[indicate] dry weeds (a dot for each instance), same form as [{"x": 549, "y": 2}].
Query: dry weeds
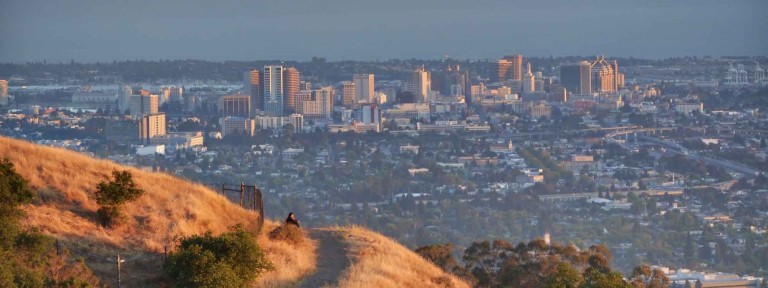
[
  {"x": 172, "y": 207},
  {"x": 378, "y": 261}
]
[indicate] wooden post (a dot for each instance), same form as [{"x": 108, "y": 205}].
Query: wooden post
[
  {"x": 242, "y": 193},
  {"x": 58, "y": 252}
]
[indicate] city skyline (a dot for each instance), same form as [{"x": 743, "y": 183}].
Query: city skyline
[{"x": 234, "y": 30}]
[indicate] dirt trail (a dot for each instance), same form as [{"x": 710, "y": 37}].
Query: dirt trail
[{"x": 332, "y": 259}]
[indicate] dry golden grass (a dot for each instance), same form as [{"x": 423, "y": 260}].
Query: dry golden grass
[
  {"x": 66, "y": 180},
  {"x": 378, "y": 261},
  {"x": 292, "y": 261}
]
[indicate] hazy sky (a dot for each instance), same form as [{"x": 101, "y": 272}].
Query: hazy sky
[{"x": 105, "y": 30}]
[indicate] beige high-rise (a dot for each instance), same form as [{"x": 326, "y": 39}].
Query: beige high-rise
[
  {"x": 364, "y": 86},
  {"x": 420, "y": 84}
]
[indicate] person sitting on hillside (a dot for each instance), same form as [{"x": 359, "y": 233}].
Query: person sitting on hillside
[{"x": 292, "y": 220}]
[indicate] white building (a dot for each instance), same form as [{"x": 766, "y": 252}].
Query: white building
[
  {"x": 150, "y": 150},
  {"x": 688, "y": 108},
  {"x": 529, "y": 81},
  {"x": 237, "y": 125}
]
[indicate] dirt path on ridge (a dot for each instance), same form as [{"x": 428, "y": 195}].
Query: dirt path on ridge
[{"x": 332, "y": 259}]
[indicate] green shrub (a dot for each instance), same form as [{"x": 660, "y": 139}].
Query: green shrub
[
  {"x": 232, "y": 259},
  {"x": 111, "y": 195},
  {"x": 287, "y": 233}
]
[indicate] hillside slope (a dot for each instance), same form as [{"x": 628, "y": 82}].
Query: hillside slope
[
  {"x": 378, "y": 261},
  {"x": 65, "y": 181},
  {"x": 172, "y": 207}
]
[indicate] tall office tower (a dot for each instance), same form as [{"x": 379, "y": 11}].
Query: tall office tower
[
  {"x": 305, "y": 85},
  {"x": 420, "y": 84},
  {"x": 576, "y": 77},
  {"x": 529, "y": 81},
  {"x": 616, "y": 76},
  {"x": 348, "y": 97},
  {"x": 272, "y": 87},
  {"x": 124, "y": 98},
  {"x": 141, "y": 105},
  {"x": 502, "y": 70},
  {"x": 509, "y": 68},
  {"x": 603, "y": 77},
  {"x": 455, "y": 81},
  {"x": 364, "y": 84},
  {"x": 291, "y": 86},
  {"x": 252, "y": 86},
  {"x": 151, "y": 126},
  {"x": 237, "y": 105},
  {"x": 4, "y": 93},
  {"x": 247, "y": 82},
  {"x": 320, "y": 105}
]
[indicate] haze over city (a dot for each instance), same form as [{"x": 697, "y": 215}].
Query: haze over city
[{"x": 91, "y": 30}]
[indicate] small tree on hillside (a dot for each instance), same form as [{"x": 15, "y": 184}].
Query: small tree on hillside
[{"x": 111, "y": 195}]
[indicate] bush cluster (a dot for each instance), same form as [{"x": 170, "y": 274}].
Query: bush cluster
[
  {"x": 287, "y": 233},
  {"x": 232, "y": 259}
]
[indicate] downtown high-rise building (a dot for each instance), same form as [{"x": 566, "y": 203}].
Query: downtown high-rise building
[
  {"x": 455, "y": 81},
  {"x": 143, "y": 104},
  {"x": 420, "y": 84},
  {"x": 252, "y": 87},
  {"x": 4, "y": 93},
  {"x": 273, "y": 90},
  {"x": 364, "y": 87},
  {"x": 150, "y": 126},
  {"x": 320, "y": 104},
  {"x": 291, "y": 86},
  {"x": 236, "y": 105},
  {"x": 529, "y": 81},
  {"x": 576, "y": 77},
  {"x": 604, "y": 76},
  {"x": 348, "y": 94},
  {"x": 509, "y": 68}
]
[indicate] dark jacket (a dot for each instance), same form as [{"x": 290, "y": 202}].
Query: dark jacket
[{"x": 292, "y": 221}]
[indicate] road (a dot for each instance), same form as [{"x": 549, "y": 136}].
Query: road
[{"x": 728, "y": 165}]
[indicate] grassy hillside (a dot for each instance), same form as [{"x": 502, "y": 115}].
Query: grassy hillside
[
  {"x": 378, "y": 261},
  {"x": 172, "y": 207},
  {"x": 65, "y": 182}
]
